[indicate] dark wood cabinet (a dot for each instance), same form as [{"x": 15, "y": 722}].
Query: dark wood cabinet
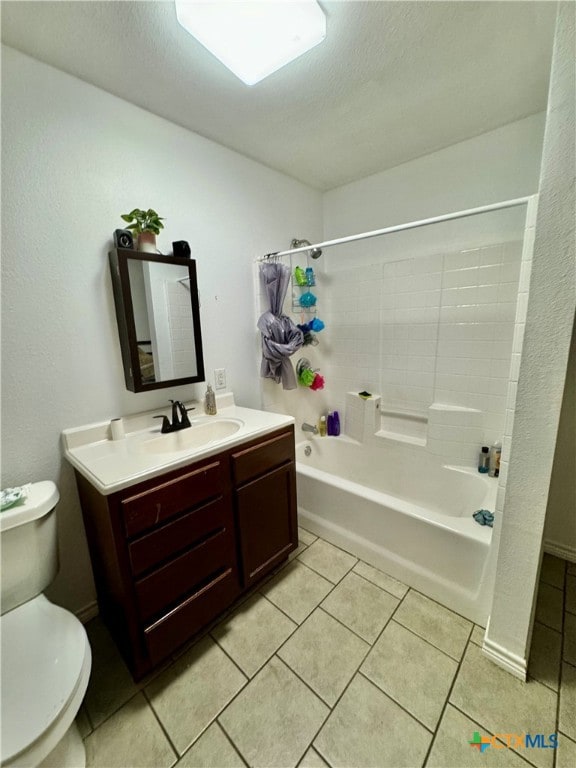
[
  {"x": 266, "y": 521},
  {"x": 265, "y": 503},
  {"x": 171, "y": 553}
]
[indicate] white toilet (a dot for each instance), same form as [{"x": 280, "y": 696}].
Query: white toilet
[{"x": 46, "y": 656}]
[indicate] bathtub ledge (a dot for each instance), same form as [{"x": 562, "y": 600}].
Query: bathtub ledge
[{"x": 397, "y": 437}]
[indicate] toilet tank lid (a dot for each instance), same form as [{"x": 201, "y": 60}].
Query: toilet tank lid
[{"x": 42, "y": 498}]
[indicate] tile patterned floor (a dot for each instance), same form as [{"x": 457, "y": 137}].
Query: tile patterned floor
[{"x": 333, "y": 663}]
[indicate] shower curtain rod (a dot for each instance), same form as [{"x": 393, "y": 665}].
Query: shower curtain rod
[{"x": 401, "y": 227}]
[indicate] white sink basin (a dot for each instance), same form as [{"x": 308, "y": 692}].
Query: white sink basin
[{"x": 199, "y": 435}]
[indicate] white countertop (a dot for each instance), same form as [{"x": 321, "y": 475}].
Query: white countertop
[{"x": 111, "y": 465}]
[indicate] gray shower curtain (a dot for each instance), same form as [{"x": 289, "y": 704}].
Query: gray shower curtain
[{"x": 280, "y": 337}]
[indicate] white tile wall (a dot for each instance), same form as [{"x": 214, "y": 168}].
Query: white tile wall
[
  {"x": 432, "y": 329},
  {"x": 181, "y": 329},
  {"x": 476, "y": 330},
  {"x": 454, "y": 433},
  {"x": 517, "y": 341},
  {"x": 438, "y": 329}
]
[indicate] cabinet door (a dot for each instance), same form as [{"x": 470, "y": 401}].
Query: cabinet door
[{"x": 266, "y": 510}]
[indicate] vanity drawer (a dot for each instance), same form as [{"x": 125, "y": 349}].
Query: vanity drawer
[
  {"x": 180, "y": 534},
  {"x": 262, "y": 457},
  {"x": 162, "y": 502},
  {"x": 195, "y": 612},
  {"x": 167, "y": 584}
]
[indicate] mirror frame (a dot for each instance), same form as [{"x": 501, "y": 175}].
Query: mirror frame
[{"x": 127, "y": 326}]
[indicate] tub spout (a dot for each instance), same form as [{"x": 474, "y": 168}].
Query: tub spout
[{"x": 309, "y": 428}]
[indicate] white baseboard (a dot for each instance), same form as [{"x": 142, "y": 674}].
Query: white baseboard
[
  {"x": 89, "y": 611},
  {"x": 516, "y": 665},
  {"x": 560, "y": 550}
]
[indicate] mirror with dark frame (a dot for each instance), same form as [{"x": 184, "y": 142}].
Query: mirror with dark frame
[{"x": 158, "y": 315}]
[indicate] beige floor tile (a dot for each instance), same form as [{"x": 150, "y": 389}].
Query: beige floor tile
[
  {"x": 361, "y": 605},
  {"x": 566, "y": 756},
  {"x": 312, "y": 760},
  {"x": 381, "y": 579},
  {"x": 549, "y": 606},
  {"x": 366, "y": 728},
  {"x": 451, "y": 748},
  {"x": 274, "y": 718},
  {"x": 212, "y": 750},
  {"x": 131, "y": 737},
  {"x": 570, "y": 638},
  {"x": 305, "y": 537},
  {"x": 192, "y": 692},
  {"x": 553, "y": 570},
  {"x": 298, "y": 551},
  {"x": 436, "y": 624},
  {"x": 327, "y": 560},
  {"x": 567, "y": 713},
  {"x": 414, "y": 673},
  {"x": 111, "y": 684},
  {"x": 571, "y": 594},
  {"x": 477, "y": 635},
  {"x": 503, "y": 704},
  {"x": 544, "y": 664},
  {"x": 297, "y": 590},
  {"x": 324, "y": 654},
  {"x": 253, "y": 633},
  {"x": 571, "y": 568}
]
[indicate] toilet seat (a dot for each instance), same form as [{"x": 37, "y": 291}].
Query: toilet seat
[{"x": 46, "y": 662}]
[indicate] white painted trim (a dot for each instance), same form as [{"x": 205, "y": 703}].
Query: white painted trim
[
  {"x": 516, "y": 665},
  {"x": 90, "y": 611},
  {"x": 560, "y": 550}
]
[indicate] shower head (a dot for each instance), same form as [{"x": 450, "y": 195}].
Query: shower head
[{"x": 315, "y": 253}]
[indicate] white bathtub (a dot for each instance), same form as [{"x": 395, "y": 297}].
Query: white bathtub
[{"x": 399, "y": 509}]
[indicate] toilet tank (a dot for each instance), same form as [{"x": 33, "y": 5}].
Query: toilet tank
[{"x": 29, "y": 546}]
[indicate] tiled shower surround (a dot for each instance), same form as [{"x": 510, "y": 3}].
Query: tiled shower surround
[{"x": 435, "y": 329}]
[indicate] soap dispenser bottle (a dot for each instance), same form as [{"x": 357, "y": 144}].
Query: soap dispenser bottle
[
  {"x": 210, "y": 402},
  {"x": 494, "y": 461},
  {"x": 484, "y": 460}
]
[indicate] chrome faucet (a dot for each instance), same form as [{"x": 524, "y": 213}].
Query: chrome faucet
[
  {"x": 180, "y": 418},
  {"x": 309, "y": 428}
]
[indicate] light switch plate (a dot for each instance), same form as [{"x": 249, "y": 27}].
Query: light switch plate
[{"x": 220, "y": 378}]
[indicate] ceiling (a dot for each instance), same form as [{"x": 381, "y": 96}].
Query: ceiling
[{"x": 392, "y": 81}]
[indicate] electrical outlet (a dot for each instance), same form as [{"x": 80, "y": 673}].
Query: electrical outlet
[{"x": 220, "y": 378}]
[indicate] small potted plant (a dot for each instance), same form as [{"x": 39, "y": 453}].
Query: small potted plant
[{"x": 146, "y": 225}]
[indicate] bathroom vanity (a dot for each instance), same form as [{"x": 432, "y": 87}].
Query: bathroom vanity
[{"x": 193, "y": 520}]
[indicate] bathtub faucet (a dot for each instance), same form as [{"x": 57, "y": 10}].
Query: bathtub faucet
[{"x": 309, "y": 428}]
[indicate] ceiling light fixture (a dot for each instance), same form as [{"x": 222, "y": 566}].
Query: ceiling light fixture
[{"x": 254, "y": 38}]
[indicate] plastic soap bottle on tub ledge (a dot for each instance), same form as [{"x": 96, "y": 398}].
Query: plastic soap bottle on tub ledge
[
  {"x": 333, "y": 425},
  {"x": 494, "y": 461}
]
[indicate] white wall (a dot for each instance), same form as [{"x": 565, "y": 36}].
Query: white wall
[
  {"x": 498, "y": 165},
  {"x": 75, "y": 158},
  {"x": 560, "y": 530},
  {"x": 541, "y": 371}
]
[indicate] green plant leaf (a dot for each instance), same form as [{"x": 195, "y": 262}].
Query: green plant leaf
[{"x": 143, "y": 221}]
